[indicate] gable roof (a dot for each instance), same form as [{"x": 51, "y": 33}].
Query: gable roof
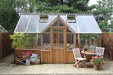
[
  {"x": 31, "y": 24},
  {"x": 62, "y": 21}
]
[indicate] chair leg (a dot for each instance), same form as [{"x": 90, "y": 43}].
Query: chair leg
[
  {"x": 77, "y": 62},
  {"x": 85, "y": 64},
  {"x": 77, "y": 66}
]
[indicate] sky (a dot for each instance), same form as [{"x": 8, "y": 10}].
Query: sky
[{"x": 91, "y": 2}]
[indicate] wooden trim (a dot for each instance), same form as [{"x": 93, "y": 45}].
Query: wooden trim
[
  {"x": 50, "y": 24},
  {"x": 65, "y": 45},
  {"x": 51, "y": 54},
  {"x": 62, "y": 21},
  {"x": 74, "y": 40},
  {"x": 79, "y": 40},
  {"x": 67, "y": 25}
]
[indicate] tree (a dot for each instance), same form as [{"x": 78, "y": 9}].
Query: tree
[
  {"x": 63, "y": 6},
  {"x": 8, "y": 15},
  {"x": 103, "y": 13},
  {"x": 24, "y": 6}
]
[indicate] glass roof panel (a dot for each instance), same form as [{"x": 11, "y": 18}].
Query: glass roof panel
[
  {"x": 92, "y": 24},
  {"x": 42, "y": 26},
  {"x": 83, "y": 28},
  {"x": 22, "y": 24},
  {"x": 33, "y": 24},
  {"x": 73, "y": 26}
]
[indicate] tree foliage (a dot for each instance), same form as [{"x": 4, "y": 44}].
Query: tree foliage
[
  {"x": 18, "y": 40},
  {"x": 8, "y": 15},
  {"x": 67, "y": 6},
  {"x": 103, "y": 12}
]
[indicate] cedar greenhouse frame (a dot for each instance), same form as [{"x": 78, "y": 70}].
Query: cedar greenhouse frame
[{"x": 55, "y": 35}]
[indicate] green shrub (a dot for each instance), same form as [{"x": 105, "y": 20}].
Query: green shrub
[{"x": 18, "y": 40}]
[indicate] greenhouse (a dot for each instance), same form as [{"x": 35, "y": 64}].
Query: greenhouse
[{"x": 54, "y": 36}]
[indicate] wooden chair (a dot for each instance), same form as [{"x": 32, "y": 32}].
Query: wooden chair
[
  {"x": 100, "y": 51},
  {"x": 78, "y": 59}
]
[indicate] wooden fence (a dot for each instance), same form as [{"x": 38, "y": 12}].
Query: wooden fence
[
  {"x": 5, "y": 45},
  {"x": 107, "y": 42}
]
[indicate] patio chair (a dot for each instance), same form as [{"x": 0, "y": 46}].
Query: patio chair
[
  {"x": 78, "y": 59},
  {"x": 100, "y": 51}
]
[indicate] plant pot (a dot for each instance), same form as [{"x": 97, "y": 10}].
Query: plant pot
[
  {"x": 85, "y": 49},
  {"x": 96, "y": 67},
  {"x": 27, "y": 62}
]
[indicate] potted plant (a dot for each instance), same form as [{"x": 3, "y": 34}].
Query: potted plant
[
  {"x": 85, "y": 47},
  {"x": 97, "y": 61},
  {"x": 26, "y": 56},
  {"x": 17, "y": 41},
  {"x": 92, "y": 48}
]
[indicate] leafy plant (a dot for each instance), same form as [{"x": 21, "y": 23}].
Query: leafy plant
[
  {"x": 18, "y": 40},
  {"x": 85, "y": 47},
  {"x": 25, "y": 55},
  {"x": 97, "y": 60},
  {"x": 30, "y": 41},
  {"x": 92, "y": 48}
]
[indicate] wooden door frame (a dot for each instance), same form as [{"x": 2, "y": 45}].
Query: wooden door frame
[{"x": 64, "y": 28}]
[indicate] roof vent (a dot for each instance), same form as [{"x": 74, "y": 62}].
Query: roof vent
[
  {"x": 71, "y": 18},
  {"x": 43, "y": 18}
]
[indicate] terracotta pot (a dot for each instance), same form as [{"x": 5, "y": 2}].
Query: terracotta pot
[{"x": 96, "y": 67}]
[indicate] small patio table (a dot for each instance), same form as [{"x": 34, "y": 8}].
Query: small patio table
[{"x": 92, "y": 53}]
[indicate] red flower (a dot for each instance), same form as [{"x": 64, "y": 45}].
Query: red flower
[
  {"x": 101, "y": 57},
  {"x": 104, "y": 61},
  {"x": 91, "y": 62},
  {"x": 23, "y": 53}
]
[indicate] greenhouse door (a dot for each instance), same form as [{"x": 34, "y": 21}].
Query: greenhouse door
[{"x": 58, "y": 41}]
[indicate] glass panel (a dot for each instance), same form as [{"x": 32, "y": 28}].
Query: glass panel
[
  {"x": 39, "y": 41},
  {"x": 77, "y": 43},
  {"x": 46, "y": 42},
  {"x": 84, "y": 40},
  {"x": 61, "y": 40},
  {"x": 55, "y": 35},
  {"x": 31, "y": 42},
  {"x": 61, "y": 24},
  {"x": 70, "y": 41},
  {"x": 74, "y": 27},
  {"x": 58, "y": 38},
  {"x": 68, "y": 30},
  {"x": 92, "y": 24},
  {"x": 48, "y": 30},
  {"x": 22, "y": 24},
  {"x": 61, "y": 30},
  {"x": 96, "y": 39},
  {"x": 33, "y": 23},
  {"x": 55, "y": 24},
  {"x": 82, "y": 24},
  {"x": 55, "y": 30}
]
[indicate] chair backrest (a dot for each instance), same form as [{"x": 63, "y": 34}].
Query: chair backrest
[
  {"x": 76, "y": 53},
  {"x": 100, "y": 51}
]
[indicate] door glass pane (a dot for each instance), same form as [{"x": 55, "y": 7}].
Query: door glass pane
[
  {"x": 61, "y": 30},
  {"x": 58, "y": 38},
  {"x": 61, "y": 40},
  {"x": 55, "y": 37}
]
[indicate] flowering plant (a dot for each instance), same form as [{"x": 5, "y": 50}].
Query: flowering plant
[
  {"x": 97, "y": 60},
  {"x": 25, "y": 55}
]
